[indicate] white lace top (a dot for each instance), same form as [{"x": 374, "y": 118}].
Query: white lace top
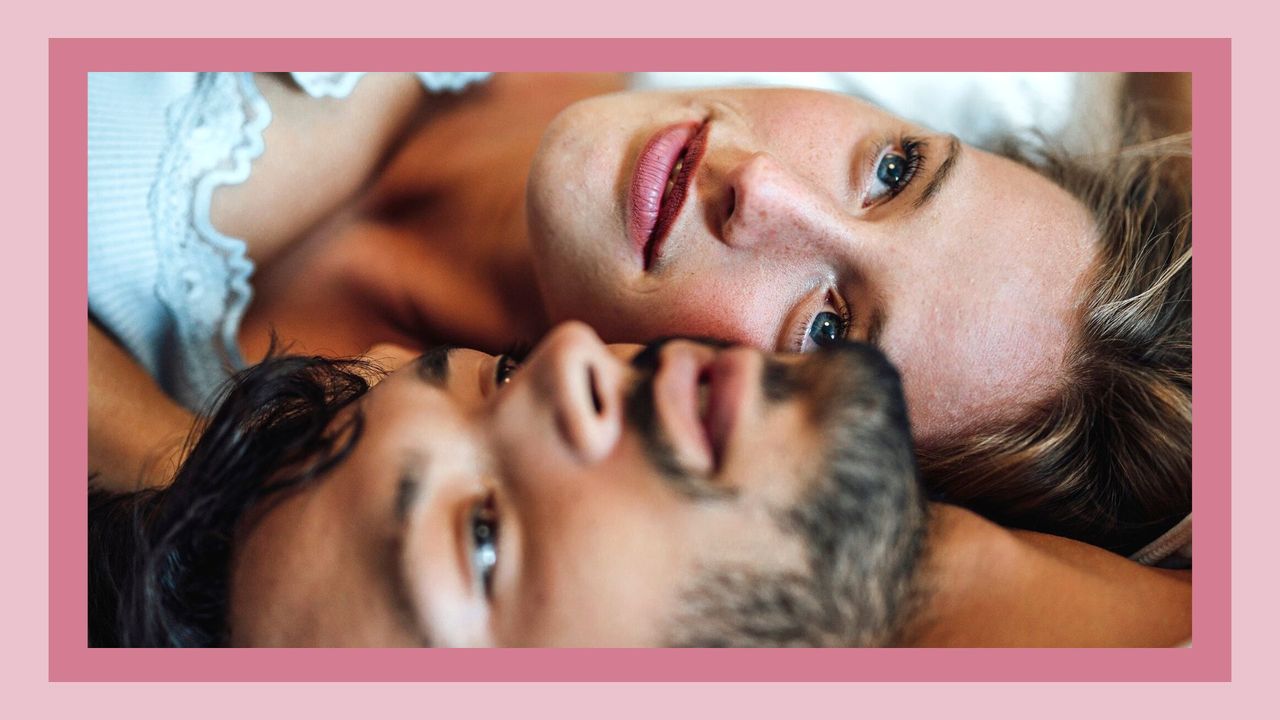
[{"x": 162, "y": 279}]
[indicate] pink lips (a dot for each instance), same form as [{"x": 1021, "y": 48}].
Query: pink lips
[{"x": 651, "y": 214}]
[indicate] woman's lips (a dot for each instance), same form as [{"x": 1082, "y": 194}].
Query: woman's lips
[{"x": 654, "y": 208}]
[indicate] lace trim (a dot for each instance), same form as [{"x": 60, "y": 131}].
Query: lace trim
[
  {"x": 327, "y": 84},
  {"x": 214, "y": 134},
  {"x": 450, "y": 81},
  {"x": 340, "y": 84}
]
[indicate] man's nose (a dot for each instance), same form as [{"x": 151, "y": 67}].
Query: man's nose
[
  {"x": 771, "y": 206},
  {"x": 584, "y": 382}
]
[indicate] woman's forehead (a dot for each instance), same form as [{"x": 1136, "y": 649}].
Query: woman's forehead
[{"x": 985, "y": 321}]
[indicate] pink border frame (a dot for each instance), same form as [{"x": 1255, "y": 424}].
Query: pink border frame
[{"x": 71, "y": 660}]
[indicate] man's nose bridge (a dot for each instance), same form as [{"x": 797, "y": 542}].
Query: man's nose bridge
[{"x": 777, "y": 208}]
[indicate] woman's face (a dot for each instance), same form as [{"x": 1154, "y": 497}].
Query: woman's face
[{"x": 787, "y": 219}]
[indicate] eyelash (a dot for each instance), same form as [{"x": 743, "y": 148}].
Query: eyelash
[
  {"x": 508, "y": 362},
  {"x": 518, "y": 350},
  {"x": 841, "y": 308},
  {"x": 484, "y": 545},
  {"x": 912, "y": 150}
]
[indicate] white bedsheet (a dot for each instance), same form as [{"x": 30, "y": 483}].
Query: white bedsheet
[{"x": 1078, "y": 108}]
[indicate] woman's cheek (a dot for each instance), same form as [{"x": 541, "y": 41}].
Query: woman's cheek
[{"x": 710, "y": 309}]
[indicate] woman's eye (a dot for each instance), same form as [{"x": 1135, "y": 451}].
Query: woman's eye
[
  {"x": 827, "y": 329},
  {"x": 893, "y": 172},
  {"x": 484, "y": 543},
  {"x": 830, "y": 326}
]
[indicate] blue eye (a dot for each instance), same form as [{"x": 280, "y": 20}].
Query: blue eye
[
  {"x": 892, "y": 169},
  {"x": 484, "y": 543},
  {"x": 895, "y": 170},
  {"x": 827, "y": 329},
  {"x": 828, "y": 326}
]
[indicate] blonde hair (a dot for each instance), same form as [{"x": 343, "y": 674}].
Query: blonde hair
[{"x": 1106, "y": 458}]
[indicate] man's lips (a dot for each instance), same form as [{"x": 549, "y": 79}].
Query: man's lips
[
  {"x": 658, "y": 188},
  {"x": 699, "y": 395},
  {"x": 728, "y": 380}
]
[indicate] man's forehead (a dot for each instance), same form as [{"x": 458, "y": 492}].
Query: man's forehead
[{"x": 318, "y": 568}]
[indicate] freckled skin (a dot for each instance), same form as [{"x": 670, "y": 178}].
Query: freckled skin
[{"x": 978, "y": 288}]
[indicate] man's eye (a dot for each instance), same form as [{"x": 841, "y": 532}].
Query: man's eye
[
  {"x": 504, "y": 370},
  {"x": 508, "y": 362},
  {"x": 484, "y": 543}
]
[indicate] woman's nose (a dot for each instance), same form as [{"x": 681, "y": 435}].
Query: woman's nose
[
  {"x": 770, "y": 205},
  {"x": 584, "y": 382}
]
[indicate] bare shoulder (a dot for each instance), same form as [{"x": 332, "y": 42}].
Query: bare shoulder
[
  {"x": 988, "y": 586},
  {"x": 318, "y": 153}
]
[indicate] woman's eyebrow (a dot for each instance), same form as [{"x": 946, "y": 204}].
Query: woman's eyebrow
[
  {"x": 433, "y": 365},
  {"x": 875, "y": 323},
  {"x": 939, "y": 179}
]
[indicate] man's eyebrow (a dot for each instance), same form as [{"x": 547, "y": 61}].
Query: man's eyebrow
[
  {"x": 409, "y": 489},
  {"x": 433, "y": 365},
  {"x": 939, "y": 179}
]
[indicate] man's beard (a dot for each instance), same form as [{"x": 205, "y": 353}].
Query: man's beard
[
  {"x": 860, "y": 520},
  {"x": 850, "y": 383},
  {"x": 863, "y": 521}
]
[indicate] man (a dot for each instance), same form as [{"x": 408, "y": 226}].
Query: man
[{"x": 690, "y": 495}]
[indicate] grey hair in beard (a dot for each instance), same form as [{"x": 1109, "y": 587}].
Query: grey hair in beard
[{"x": 861, "y": 522}]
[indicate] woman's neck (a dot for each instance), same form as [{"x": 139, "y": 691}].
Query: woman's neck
[
  {"x": 436, "y": 249},
  {"x": 458, "y": 183}
]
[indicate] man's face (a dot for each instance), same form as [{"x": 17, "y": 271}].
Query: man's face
[{"x": 573, "y": 501}]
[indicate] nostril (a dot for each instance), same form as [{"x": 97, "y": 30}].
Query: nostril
[
  {"x": 721, "y": 214},
  {"x": 596, "y": 402}
]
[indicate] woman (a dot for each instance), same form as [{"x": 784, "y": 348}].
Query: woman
[{"x": 1008, "y": 296}]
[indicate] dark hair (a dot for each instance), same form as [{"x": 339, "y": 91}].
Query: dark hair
[
  {"x": 861, "y": 522},
  {"x": 1106, "y": 458},
  {"x": 160, "y": 559}
]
